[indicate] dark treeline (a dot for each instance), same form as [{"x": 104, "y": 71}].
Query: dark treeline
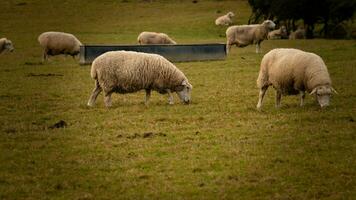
[{"x": 328, "y": 13}]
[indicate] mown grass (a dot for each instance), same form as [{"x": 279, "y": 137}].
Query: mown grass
[{"x": 219, "y": 147}]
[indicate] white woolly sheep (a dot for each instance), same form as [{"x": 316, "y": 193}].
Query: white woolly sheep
[
  {"x": 128, "y": 72},
  {"x": 292, "y": 72},
  {"x": 56, "y": 43},
  {"x": 225, "y": 20},
  {"x": 244, "y": 35},
  {"x": 154, "y": 38},
  {"x": 280, "y": 33},
  {"x": 6, "y": 45},
  {"x": 298, "y": 34}
]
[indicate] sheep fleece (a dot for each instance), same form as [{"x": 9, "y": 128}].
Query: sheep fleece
[
  {"x": 127, "y": 72},
  {"x": 55, "y": 43},
  {"x": 292, "y": 70},
  {"x": 154, "y": 38},
  {"x": 2, "y": 43},
  {"x": 246, "y": 34}
]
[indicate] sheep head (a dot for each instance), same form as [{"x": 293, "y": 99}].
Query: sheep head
[
  {"x": 323, "y": 94},
  {"x": 184, "y": 90}
]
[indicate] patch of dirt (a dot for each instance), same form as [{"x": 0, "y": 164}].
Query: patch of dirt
[
  {"x": 21, "y": 4},
  {"x": 60, "y": 124},
  {"x": 145, "y": 135},
  {"x": 33, "y": 63},
  {"x": 49, "y": 74}
]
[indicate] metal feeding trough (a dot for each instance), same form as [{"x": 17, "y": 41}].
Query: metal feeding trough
[{"x": 174, "y": 53}]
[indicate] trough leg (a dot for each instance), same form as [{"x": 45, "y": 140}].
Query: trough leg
[
  {"x": 170, "y": 97},
  {"x": 302, "y": 96},
  {"x": 107, "y": 99},
  {"x": 261, "y": 96},
  {"x": 278, "y": 98},
  {"x": 95, "y": 93},
  {"x": 148, "y": 95}
]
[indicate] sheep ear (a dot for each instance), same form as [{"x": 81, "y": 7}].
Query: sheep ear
[
  {"x": 185, "y": 83},
  {"x": 312, "y": 92},
  {"x": 332, "y": 89}
]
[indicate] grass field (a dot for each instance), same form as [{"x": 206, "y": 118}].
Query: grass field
[{"x": 218, "y": 147}]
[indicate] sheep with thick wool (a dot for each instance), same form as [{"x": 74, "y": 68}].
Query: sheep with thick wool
[
  {"x": 56, "y": 43},
  {"x": 6, "y": 45},
  {"x": 225, "y": 20},
  {"x": 128, "y": 72},
  {"x": 298, "y": 34},
  {"x": 292, "y": 72},
  {"x": 280, "y": 33},
  {"x": 154, "y": 38},
  {"x": 243, "y": 35}
]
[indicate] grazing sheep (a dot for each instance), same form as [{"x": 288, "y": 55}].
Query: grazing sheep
[
  {"x": 128, "y": 72},
  {"x": 280, "y": 33},
  {"x": 154, "y": 38},
  {"x": 225, "y": 20},
  {"x": 292, "y": 72},
  {"x": 298, "y": 34},
  {"x": 245, "y": 35},
  {"x": 56, "y": 43},
  {"x": 6, "y": 44}
]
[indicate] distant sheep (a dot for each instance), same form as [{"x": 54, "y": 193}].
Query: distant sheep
[
  {"x": 128, "y": 72},
  {"x": 56, "y": 43},
  {"x": 292, "y": 72},
  {"x": 225, "y": 20},
  {"x": 280, "y": 33},
  {"x": 6, "y": 45},
  {"x": 298, "y": 34},
  {"x": 154, "y": 38},
  {"x": 244, "y": 35}
]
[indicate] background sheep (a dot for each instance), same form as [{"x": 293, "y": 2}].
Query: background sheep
[
  {"x": 225, "y": 20},
  {"x": 291, "y": 72},
  {"x": 56, "y": 43},
  {"x": 280, "y": 33},
  {"x": 127, "y": 72},
  {"x": 6, "y": 44},
  {"x": 154, "y": 38},
  {"x": 298, "y": 34},
  {"x": 245, "y": 35}
]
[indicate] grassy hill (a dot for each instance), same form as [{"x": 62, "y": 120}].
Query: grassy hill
[{"x": 219, "y": 147}]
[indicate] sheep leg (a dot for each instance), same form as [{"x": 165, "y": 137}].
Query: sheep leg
[
  {"x": 228, "y": 47},
  {"x": 170, "y": 97},
  {"x": 148, "y": 95},
  {"x": 258, "y": 48},
  {"x": 94, "y": 94},
  {"x": 302, "y": 96},
  {"x": 44, "y": 56},
  {"x": 261, "y": 96},
  {"x": 107, "y": 99},
  {"x": 278, "y": 98}
]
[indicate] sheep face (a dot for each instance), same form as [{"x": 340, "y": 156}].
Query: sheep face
[
  {"x": 8, "y": 45},
  {"x": 269, "y": 24},
  {"x": 323, "y": 94},
  {"x": 184, "y": 91},
  {"x": 230, "y": 14}
]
